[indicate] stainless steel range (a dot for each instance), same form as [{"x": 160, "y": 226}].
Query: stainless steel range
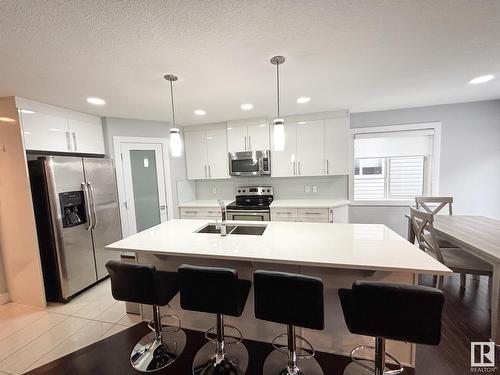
[{"x": 252, "y": 203}]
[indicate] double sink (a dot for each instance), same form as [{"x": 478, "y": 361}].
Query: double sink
[{"x": 252, "y": 230}]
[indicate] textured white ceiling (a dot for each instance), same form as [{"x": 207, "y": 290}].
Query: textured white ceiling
[{"x": 360, "y": 55}]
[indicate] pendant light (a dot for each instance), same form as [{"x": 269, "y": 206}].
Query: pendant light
[
  {"x": 278, "y": 122},
  {"x": 175, "y": 133}
]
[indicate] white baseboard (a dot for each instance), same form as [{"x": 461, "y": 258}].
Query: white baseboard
[{"x": 4, "y": 298}]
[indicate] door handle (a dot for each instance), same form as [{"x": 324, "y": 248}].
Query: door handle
[
  {"x": 94, "y": 216},
  {"x": 87, "y": 205},
  {"x": 68, "y": 143},
  {"x": 74, "y": 141}
]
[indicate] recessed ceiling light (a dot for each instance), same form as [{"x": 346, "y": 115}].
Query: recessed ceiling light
[
  {"x": 246, "y": 107},
  {"x": 54, "y": 129},
  {"x": 96, "y": 101},
  {"x": 7, "y": 119},
  {"x": 481, "y": 79},
  {"x": 200, "y": 112},
  {"x": 302, "y": 122},
  {"x": 263, "y": 125},
  {"x": 27, "y": 111},
  {"x": 303, "y": 99}
]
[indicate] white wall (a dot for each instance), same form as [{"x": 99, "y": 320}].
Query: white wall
[
  {"x": 284, "y": 188},
  {"x": 144, "y": 128},
  {"x": 470, "y": 156}
]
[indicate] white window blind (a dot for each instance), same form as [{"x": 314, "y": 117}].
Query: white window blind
[{"x": 403, "y": 156}]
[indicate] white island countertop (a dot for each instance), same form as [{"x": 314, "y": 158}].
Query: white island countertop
[
  {"x": 207, "y": 203},
  {"x": 309, "y": 203},
  {"x": 349, "y": 246}
]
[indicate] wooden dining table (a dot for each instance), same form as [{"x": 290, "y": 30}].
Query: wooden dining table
[{"x": 480, "y": 236}]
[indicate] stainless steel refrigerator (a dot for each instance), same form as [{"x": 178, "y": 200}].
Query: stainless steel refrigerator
[{"x": 76, "y": 212}]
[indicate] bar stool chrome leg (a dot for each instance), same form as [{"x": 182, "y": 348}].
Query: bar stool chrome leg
[
  {"x": 160, "y": 348},
  {"x": 300, "y": 361},
  {"x": 220, "y": 356},
  {"x": 361, "y": 366}
]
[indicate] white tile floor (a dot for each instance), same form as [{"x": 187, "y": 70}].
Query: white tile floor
[{"x": 31, "y": 337}]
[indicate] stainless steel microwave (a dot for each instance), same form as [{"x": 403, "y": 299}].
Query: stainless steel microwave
[{"x": 250, "y": 163}]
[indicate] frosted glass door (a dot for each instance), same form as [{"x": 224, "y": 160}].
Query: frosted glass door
[{"x": 144, "y": 186}]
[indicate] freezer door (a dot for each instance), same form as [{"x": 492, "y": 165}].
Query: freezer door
[
  {"x": 73, "y": 238},
  {"x": 100, "y": 179}
]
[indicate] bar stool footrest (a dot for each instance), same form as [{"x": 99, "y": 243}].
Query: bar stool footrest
[
  {"x": 211, "y": 335},
  {"x": 357, "y": 360},
  {"x": 165, "y": 327},
  {"x": 284, "y": 350}
]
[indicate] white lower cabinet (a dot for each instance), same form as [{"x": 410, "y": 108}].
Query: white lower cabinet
[
  {"x": 311, "y": 215},
  {"x": 200, "y": 213}
]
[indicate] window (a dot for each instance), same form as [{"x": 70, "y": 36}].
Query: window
[{"x": 392, "y": 165}]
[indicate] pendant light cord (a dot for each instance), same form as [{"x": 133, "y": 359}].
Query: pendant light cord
[
  {"x": 278, "y": 87},
  {"x": 172, "y": 100}
]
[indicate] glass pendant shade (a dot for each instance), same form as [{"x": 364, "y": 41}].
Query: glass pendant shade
[
  {"x": 279, "y": 134},
  {"x": 175, "y": 142}
]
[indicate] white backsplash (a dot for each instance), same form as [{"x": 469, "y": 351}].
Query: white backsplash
[{"x": 333, "y": 187}]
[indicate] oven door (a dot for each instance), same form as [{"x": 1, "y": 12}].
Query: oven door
[{"x": 248, "y": 215}]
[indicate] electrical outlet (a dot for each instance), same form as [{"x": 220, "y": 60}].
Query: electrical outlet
[
  {"x": 315, "y": 189},
  {"x": 214, "y": 190},
  {"x": 307, "y": 189}
]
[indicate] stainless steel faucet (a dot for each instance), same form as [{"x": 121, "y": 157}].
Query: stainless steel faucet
[{"x": 222, "y": 225}]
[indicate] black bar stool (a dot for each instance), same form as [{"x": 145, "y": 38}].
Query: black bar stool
[
  {"x": 294, "y": 300},
  {"x": 409, "y": 313},
  {"x": 144, "y": 284},
  {"x": 217, "y": 291}
]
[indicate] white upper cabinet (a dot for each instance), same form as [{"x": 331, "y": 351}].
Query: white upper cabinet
[
  {"x": 86, "y": 137},
  {"x": 45, "y": 132},
  {"x": 258, "y": 137},
  {"x": 196, "y": 155},
  {"x": 337, "y": 146},
  {"x": 218, "y": 166},
  {"x": 310, "y": 148},
  {"x": 284, "y": 163},
  {"x": 248, "y": 135},
  {"x": 57, "y": 132},
  {"x": 206, "y": 154},
  {"x": 236, "y": 138}
]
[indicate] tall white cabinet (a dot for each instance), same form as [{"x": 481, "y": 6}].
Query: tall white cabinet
[{"x": 206, "y": 154}]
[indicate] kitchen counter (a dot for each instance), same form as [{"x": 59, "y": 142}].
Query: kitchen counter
[
  {"x": 211, "y": 203},
  {"x": 353, "y": 246},
  {"x": 309, "y": 203},
  {"x": 339, "y": 254}
]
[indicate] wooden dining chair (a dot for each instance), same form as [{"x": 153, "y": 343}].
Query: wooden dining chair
[
  {"x": 433, "y": 205},
  {"x": 456, "y": 259}
]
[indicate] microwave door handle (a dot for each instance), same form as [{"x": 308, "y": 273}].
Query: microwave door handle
[{"x": 87, "y": 205}]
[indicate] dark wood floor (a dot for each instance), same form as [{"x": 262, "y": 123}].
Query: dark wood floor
[{"x": 465, "y": 319}]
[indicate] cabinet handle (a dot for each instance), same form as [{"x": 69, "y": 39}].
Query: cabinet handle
[
  {"x": 312, "y": 213},
  {"x": 246, "y": 149},
  {"x": 190, "y": 212},
  {"x": 331, "y": 216},
  {"x": 299, "y": 169},
  {"x": 293, "y": 169},
  {"x": 209, "y": 171},
  {"x": 249, "y": 143},
  {"x": 327, "y": 167},
  {"x": 68, "y": 142},
  {"x": 74, "y": 141},
  {"x": 206, "y": 174}
]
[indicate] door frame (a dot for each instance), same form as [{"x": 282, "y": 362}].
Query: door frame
[{"x": 120, "y": 179}]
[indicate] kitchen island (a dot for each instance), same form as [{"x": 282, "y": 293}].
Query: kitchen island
[{"x": 337, "y": 253}]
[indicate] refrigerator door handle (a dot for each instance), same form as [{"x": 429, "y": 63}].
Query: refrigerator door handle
[
  {"x": 94, "y": 216},
  {"x": 87, "y": 205}
]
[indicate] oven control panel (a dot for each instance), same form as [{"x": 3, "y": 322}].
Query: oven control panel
[{"x": 254, "y": 190}]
